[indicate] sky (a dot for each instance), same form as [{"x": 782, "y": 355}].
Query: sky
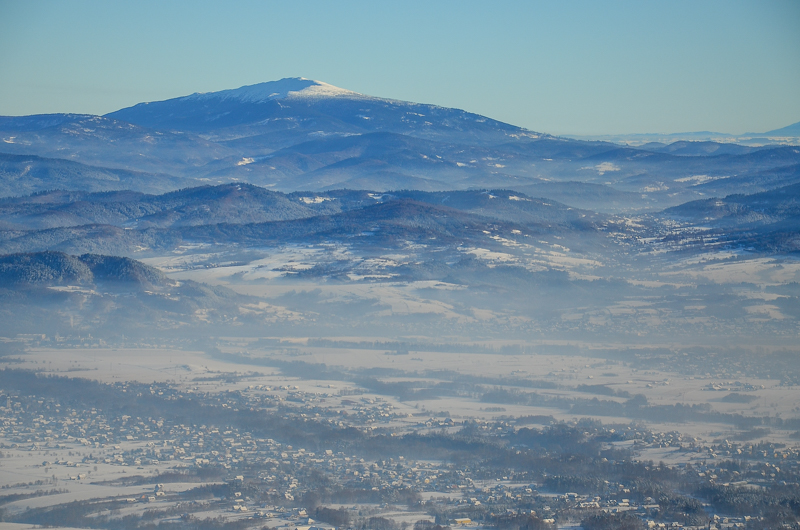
[{"x": 573, "y": 67}]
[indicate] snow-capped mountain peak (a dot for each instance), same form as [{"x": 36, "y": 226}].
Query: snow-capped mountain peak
[
  {"x": 298, "y": 106},
  {"x": 290, "y": 87}
]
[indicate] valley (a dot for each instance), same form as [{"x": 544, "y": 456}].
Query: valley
[{"x": 290, "y": 305}]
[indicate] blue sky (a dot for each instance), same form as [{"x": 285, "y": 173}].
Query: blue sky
[{"x": 573, "y": 67}]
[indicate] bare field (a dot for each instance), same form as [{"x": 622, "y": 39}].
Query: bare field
[{"x": 565, "y": 374}]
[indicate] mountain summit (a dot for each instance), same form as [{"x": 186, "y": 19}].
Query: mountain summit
[
  {"x": 294, "y": 87},
  {"x": 282, "y": 113}
]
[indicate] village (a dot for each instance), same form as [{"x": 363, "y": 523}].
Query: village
[{"x": 224, "y": 472}]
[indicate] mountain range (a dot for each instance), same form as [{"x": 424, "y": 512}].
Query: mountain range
[
  {"x": 298, "y": 205},
  {"x": 298, "y": 134},
  {"x": 789, "y": 135}
]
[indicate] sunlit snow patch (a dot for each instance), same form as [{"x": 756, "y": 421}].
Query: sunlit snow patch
[
  {"x": 698, "y": 179},
  {"x": 314, "y": 200},
  {"x": 606, "y": 166},
  {"x": 297, "y": 87}
]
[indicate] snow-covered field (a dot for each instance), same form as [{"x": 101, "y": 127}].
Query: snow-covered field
[{"x": 191, "y": 369}]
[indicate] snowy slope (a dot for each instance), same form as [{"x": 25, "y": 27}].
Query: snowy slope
[
  {"x": 281, "y": 113},
  {"x": 294, "y": 87}
]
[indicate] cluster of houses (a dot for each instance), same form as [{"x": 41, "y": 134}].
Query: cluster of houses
[{"x": 90, "y": 438}]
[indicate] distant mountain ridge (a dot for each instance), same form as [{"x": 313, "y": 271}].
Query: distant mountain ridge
[
  {"x": 125, "y": 223},
  {"x": 121, "y": 223},
  {"x": 280, "y": 113},
  {"x": 57, "y": 268},
  {"x": 26, "y": 174},
  {"x": 790, "y": 134},
  {"x": 298, "y": 134},
  {"x": 789, "y": 130},
  {"x": 764, "y": 208},
  {"x": 108, "y": 143},
  {"x": 246, "y": 203}
]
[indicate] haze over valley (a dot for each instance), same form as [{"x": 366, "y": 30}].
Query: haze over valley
[{"x": 293, "y": 305}]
